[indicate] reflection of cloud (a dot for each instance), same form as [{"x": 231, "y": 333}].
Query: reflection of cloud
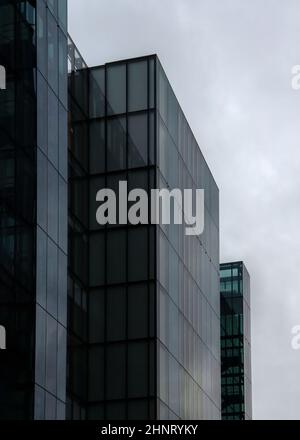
[{"x": 229, "y": 63}]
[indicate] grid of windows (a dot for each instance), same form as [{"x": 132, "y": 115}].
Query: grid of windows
[
  {"x": 149, "y": 333},
  {"x": 235, "y": 342},
  {"x": 114, "y": 265},
  {"x": 51, "y": 237}
]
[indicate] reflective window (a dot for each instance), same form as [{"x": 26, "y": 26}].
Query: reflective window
[
  {"x": 138, "y": 140},
  {"x": 116, "y": 256},
  {"x": 115, "y": 371},
  {"x": 116, "y": 144},
  {"x": 97, "y": 147},
  {"x": 52, "y": 52},
  {"x": 116, "y": 318},
  {"x": 97, "y": 93},
  {"x": 53, "y": 128},
  {"x": 116, "y": 89},
  {"x": 137, "y": 86}
]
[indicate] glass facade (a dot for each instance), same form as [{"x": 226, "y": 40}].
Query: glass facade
[
  {"x": 235, "y": 342},
  {"x": 115, "y": 322},
  {"x": 144, "y": 300},
  {"x": 33, "y": 208},
  {"x": 188, "y": 276}
]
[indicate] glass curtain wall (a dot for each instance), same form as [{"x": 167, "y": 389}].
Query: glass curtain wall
[{"x": 188, "y": 276}]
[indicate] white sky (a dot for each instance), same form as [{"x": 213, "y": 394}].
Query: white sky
[{"x": 229, "y": 62}]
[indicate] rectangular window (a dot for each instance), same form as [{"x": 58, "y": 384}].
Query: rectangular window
[
  {"x": 138, "y": 140},
  {"x": 137, "y": 86},
  {"x": 116, "y": 144},
  {"x": 116, "y": 89}
]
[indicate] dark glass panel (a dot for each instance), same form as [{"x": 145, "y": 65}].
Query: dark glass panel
[
  {"x": 116, "y": 89},
  {"x": 138, "y": 140},
  {"x": 137, "y": 86},
  {"x": 116, "y": 144},
  {"x": 116, "y": 314},
  {"x": 115, "y": 371}
]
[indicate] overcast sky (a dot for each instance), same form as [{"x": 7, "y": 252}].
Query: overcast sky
[{"x": 229, "y": 62}]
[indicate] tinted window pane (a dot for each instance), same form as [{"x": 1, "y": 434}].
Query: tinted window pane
[
  {"x": 52, "y": 52},
  {"x": 138, "y": 140},
  {"x": 63, "y": 68},
  {"x": 116, "y": 89},
  {"x": 97, "y": 262},
  {"x": 52, "y": 202},
  {"x": 116, "y": 257},
  {"x": 96, "y": 374},
  {"x": 138, "y": 311},
  {"x": 116, "y": 314},
  {"x": 138, "y": 369},
  {"x": 42, "y": 113},
  {"x": 116, "y": 144},
  {"x": 97, "y": 92},
  {"x": 42, "y": 38},
  {"x": 63, "y": 13},
  {"x": 97, "y": 147},
  {"x": 96, "y": 316},
  {"x": 53, "y": 128},
  {"x": 138, "y": 254},
  {"x": 115, "y": 371},
  {"x": 137, "y": 86}
]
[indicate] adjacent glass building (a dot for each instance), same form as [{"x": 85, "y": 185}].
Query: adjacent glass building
[
  {"x": 144, "y": 321},
  {"x": 33, "y": 208},
  {"x": 121, "y": 321},
  {"x": 235, "y": 342}
]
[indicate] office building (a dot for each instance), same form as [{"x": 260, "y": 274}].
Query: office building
[
  {"x": 119, "y": 322},
  {"x": 33, "y": 208},
  {"x": 144, "y": 300},
  {"x": 235, "y": 342}
]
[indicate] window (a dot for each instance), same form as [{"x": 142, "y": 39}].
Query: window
[
  {"x": 115, "y": 371},
  {"x": 52, "y": 277},
  {"x": 63, "y": 67},
  {"x": 53, "y": 128},
  {"x": 42, "y": 114},
  {"x": 97, "y": 260},
  {"x": 96, "y": 316},
  {"x": 116, "y": 144},
  {"x": 138, "y": 140},
  {"x": 97, "y": 93},
  {"x": 97, "y": 147},
  {"x": 137, "y": 86},
  {"x": 138, "y": 312},
  {"x": 96, "y": 373},
  {"x": 52, "y": 52},
  {"x": 116, "y": 314},
  {"x": 138, "y": 254},
  {"x": 116, "y": 256},
  {"x": 51, "y": 377},
  {"x": 52, "y": 202},
  {"x": 138, "y": 369},
  {"x": 116, "y": 89}
]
